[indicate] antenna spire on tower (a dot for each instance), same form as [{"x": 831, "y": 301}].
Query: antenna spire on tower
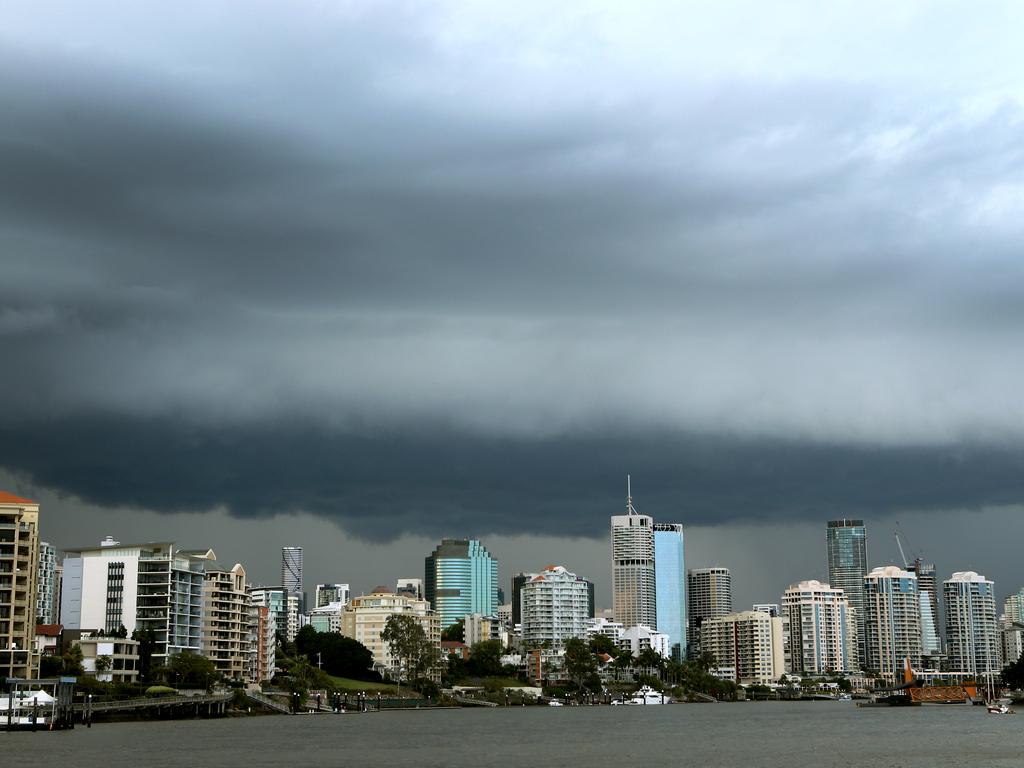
[{"x": 630, "y": 509}]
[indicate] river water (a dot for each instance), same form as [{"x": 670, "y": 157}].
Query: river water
[{"x": 790, "y": 734}]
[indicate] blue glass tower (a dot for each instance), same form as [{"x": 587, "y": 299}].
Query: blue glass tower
[
  {"x": 461, "y": 577},
  {"x": 670, "y": 582}
]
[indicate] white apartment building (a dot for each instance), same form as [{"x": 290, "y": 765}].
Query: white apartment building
[
  {"x": 365, "y": 617},
  {"x": 892, "y": 626},
  {"x": 555, "y": 607},
  {"x": 819, "y": 629},
  {"x": 634, "y": 640},
  {"x": 19, "y": 568},
  {"x": 972, "y": 632},
  {"x": 327, "y": 618},
  {"x": 150, "y": 586},
  {"x": 602, "y": 626},
  {"x": 749, "y": 643}
]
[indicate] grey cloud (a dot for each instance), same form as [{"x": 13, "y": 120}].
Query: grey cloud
[{"x": 364, "y": 264}]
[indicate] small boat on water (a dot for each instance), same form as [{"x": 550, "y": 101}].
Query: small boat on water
[
  {"x": 646, "y": 695},
  {"x": 999, "y": 708}
]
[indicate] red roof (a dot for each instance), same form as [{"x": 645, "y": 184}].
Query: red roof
[
  {"x": 452, "y": 644},
  {"x": 10, "y": 498},
  {"x": 49, "y": 630}
]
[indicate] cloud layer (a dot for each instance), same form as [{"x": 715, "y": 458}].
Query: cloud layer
[{"x": 416, "y": 269}]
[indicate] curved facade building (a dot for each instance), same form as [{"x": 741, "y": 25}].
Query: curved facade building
[{"x": 460, "y": 578}]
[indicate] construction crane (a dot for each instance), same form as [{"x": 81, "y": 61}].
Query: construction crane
[{"x": 899, "y": 544}]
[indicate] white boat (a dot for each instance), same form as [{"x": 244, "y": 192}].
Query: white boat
[
  {"x": 554, "y": 703},
  {"x": 647, "y": 695},
  {"x": 999, "y": 708}
]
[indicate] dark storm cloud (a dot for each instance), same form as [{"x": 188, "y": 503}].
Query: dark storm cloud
[
  {"x": 417, "y": 272},
  {"x": 381, "y": 485}
]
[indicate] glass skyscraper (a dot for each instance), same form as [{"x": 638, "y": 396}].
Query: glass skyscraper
[
  {"x": 670, "y": 582},
  {"x": 460, "y": 578},
  {"x": 846, "y": 541}
]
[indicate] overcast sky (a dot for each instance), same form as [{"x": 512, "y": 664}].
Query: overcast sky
[{"x": 357, "y": 276}]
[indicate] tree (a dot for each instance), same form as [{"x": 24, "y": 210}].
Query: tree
[
  {"x": 336, "y": 654},
  {"x": 455, "y": 632},
  {"x": 51, "y": 666},
  {"x": 147, "y": 644},
  {"x": 1013, "y": 674},
  {"x": 72, "y": 660},
  {"x": 580, "y": 664},
  {"x": 414, "y": 655},
  {"x": 603, "y": 644},
  {"x": 189, "y": 670},
  {"x": 485, "y": 659},
  {"x": 651, "y": 659},
  {"x": 104, "y": 663}
]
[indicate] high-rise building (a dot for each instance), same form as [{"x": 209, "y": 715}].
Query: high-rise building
[
  {"x": 931, "y": 646},
  {"x": 291, "y": 572},
  {"x": 461, "y": 577},
  {"x": 708, "y": 596},
  {"x": 261, "y": 659},
  {"x": 1011, "y": 625},
  {"x": 284, "y": 609},
  {"x": 226, "y": 619},
  {"x": 846, "y": 542},
  {"x": 670, "y": 581},
  {"x": 517, "y": 589},
  {"x": 554, "y": 604},
  {"x": 972, "y": 632},
  {"x": 820, "y": 629},
  {"x": 634, "y": 590},
  {"x": 150, "y": 587},
  {"x": 19, "y": 568},
  {"x": 46, "y": 585},
  {"x": 330, "y": 593},
  {"x": 749, "y": 644},
  {"x": 893, "y": 621}
]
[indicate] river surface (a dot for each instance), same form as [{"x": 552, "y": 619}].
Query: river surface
[{"x": 790, "y": 734}]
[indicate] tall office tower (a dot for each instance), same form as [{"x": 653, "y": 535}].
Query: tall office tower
[
  {"x": 554, "y": 607},
  {"x": 330, "y": 593},
  {"x": 708, "y": 596},
  {"x": 972, "y": 632},
  {"x": 846, "y": 541},
  {"x": 670, "y": 580},
  {"x": 151, "y": 586},
  {"x": 460, "y": 578},
  {"x": 46, "y": 585},
  {"x": 893, "y": 621},
  {"x": 931, "y": 646},
  {"x": 291, "y": 572},
  {"x": 634, "y": 590},
  {"x": 226, "y": 606},
  {"x": 821, "y": 629},
  {"x": 19, "y": 568}
]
